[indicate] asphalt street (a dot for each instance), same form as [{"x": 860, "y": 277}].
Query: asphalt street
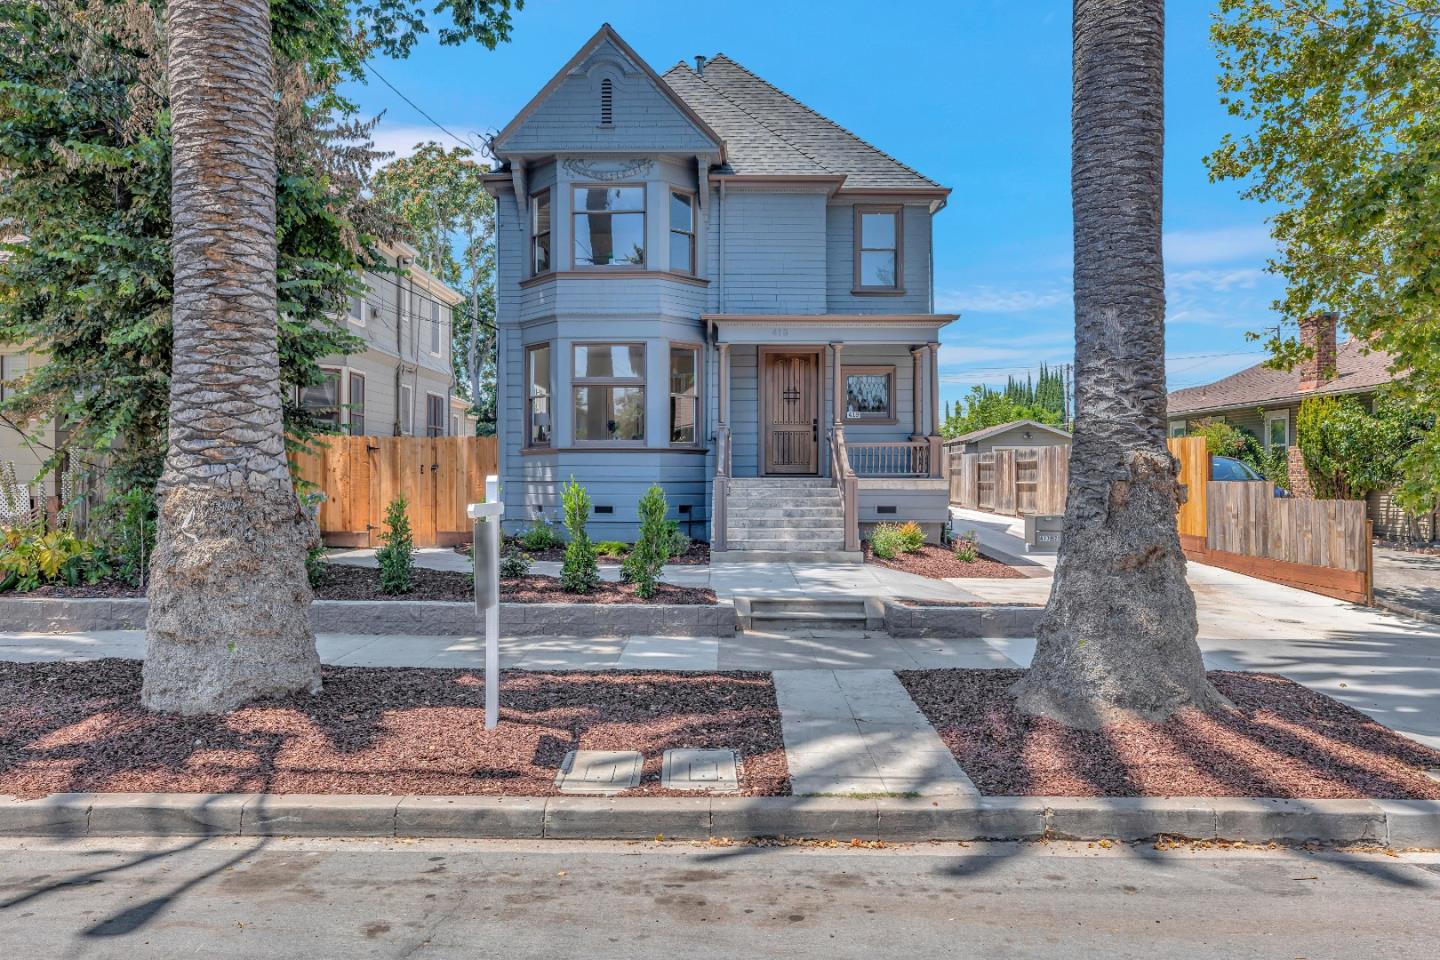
[{"x": 444, "y": 899}]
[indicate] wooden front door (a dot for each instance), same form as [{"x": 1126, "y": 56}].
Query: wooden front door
[{"x": 792, "y": 413}]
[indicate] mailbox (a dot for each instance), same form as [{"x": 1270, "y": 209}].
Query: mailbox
[{"x": 1042, "y": 532}]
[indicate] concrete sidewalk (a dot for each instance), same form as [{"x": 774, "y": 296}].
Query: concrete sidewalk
[{"x": 1408, "y": 582}]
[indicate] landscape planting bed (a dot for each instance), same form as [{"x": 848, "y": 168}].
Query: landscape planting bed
[
  {"x": 79, "y": 727},
  {"x": 1282, "y": 740},
  {"x": 940, "y": 563}
]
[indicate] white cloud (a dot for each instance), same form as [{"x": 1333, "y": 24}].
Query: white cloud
[
  {"x": 987, "y": 299},
  {"x": 402, "y": 140},
  {"x": 1223, "y": 245},
  {"x": 1214, "y": 281}
]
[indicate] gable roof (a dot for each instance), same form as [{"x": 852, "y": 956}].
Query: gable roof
[
  {"x": 770, "y": 133},
  {"x": 1357, "y": 371},
  {"x": 987, "y": 432},
  {"x": 606, "y": 33}
]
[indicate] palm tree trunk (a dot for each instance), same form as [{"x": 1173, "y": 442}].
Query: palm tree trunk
[
  {"x": 228, "y": 590},
  {"x": 1118, "y": 635}
]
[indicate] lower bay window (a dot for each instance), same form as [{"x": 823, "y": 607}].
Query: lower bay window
[
  {"x": 684, "y": 394},
  {"x": 609, "y": 393}
]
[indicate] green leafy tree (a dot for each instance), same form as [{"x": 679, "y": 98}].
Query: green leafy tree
[
  {"x": 1349, "y": 450},
  {"x": 396, "y": 555},
  {"x": 1340, "y": 101},
  {"x": 440, "y": 198},
  {"x": 1224, "y": 439},
  {"x": 580, "y": 573},
  {"x": 652, "y": 548},
  {"x": 985, "y": 407}
]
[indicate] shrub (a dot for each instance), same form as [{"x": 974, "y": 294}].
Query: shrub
[
  {"x": 652, "y": 547},
  {"x": 885, "y": 541},
  {"x": 397, "y": 556},
  {"x": 967, "y": 547},
  {"x": 124, "y": 529},
  {"x": 678, "y": 540},
  {"x": 30, "y": 558},
  {"x": 912, "y": 536},
  {"x": 580, "y": 573},
  {"x": 612, "y": 548},
  {"x": 514, "y": 562},
  {"x": 540, "y": 536}
]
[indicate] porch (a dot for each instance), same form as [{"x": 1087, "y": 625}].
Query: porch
[{"x": 824, "y": 426}]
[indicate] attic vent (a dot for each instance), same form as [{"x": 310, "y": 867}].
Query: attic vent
[{"x": 607, "y": 102}]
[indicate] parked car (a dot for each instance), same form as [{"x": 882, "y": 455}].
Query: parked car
[{"x": 1228, "y": 468}]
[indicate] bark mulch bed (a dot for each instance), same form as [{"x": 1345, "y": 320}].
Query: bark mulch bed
[
  {"x": 1282, "y": 740},
  {"x": 79, "y": 727},
  {"x": 363, "y": 583},
  {"x": 107, "y": 589},
  {"x": 940, "y": 563},
  {"x": 697, "y": 555}
]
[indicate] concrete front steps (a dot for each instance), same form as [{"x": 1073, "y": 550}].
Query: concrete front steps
[
  {"x": 781, "y": 614},
  {"x": 770, "y": 519}
]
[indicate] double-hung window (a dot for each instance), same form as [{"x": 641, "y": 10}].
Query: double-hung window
[
  {"x": 682, "y": 232},
  {"x": 434, "y": 415},
  {"x": 877, "y": 249},
  {"x": 609, "y": 226},
  {"x": 322, "y": 400},
  {"x": 407, "y": 410},
  {"x": 357, "y": 404},
  {"x": 437, "y": 316},
  {"x": 540, "y": 232},
  {"x": 609, "y": 393},
  {"x": 537, "y": 398},
  {"x": 1277, "y": 430},
  {"x": 684, "y": 394}
]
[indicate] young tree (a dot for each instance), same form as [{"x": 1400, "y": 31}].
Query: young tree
[
  {"x": 1341, "y": 99},
  {"x": 440, "y": 197},
  {"x": 1118, "y": 635}
]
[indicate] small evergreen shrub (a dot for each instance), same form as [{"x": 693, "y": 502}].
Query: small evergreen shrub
[
  {"x": 967, "y": 547},
  {"x": 580, "y": 573},
  {"x": 397, "y": 556},
  {"x": 652, "y": 547},
  {"x": 124, "y": 528},
  {"x": 885, "y": 541},
  {"x": 540, "y": 536},
  {"x": 612, "y": 548},
  {"x": 679, "y": 542},
  {"x": 514, "y": 562},
  {"x": 912, "y": 536}
]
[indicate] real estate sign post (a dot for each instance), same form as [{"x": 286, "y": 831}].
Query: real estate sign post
[{"x": 486, "y": 553}]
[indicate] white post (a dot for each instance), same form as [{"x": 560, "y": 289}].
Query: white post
[{"x": 486, "y": 552}]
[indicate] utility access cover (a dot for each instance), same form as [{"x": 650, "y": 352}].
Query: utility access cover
[
  {"x": 599, "y": 771},
  {"x": 713, "y": 770}
]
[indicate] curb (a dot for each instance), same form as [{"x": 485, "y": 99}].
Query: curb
[
  {"x": 1397, "y": 824},
  {"x": 1404, "y": 610},
  {"x": 996, "y": 620}
]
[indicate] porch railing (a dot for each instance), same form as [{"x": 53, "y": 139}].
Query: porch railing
[
  {"x": 843, "y": 478},
  {"x": 894, "y": 458},
  {"x": 722, "y": 477}
]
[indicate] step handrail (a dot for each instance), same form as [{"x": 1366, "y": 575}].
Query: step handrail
[
  {"x": 719, "y": 520},
  {"x": 843, "y": 478}
]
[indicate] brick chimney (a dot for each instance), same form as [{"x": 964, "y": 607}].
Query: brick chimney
[{"x": 1317, "y": 332}]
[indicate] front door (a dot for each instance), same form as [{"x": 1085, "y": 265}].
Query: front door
[{"x": 792, "y": 413}]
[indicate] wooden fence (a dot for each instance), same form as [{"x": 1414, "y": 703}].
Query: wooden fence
[
  {"x": 360, "y": 476},
  {"x": 1013, "y": 482},
  {"x": 1323, "y": 546}
]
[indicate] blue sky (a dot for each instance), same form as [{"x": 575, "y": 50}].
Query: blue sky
[{"x": 973, "y": 93}]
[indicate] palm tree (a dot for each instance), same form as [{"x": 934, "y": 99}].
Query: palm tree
[
  {"x": 228, "y": 589},
  {"x": 1118, "y": 635}
]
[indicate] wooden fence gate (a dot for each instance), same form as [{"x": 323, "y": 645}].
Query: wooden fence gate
[
  {"x": 1013, "y": 482},
  {"x": 360, "y": 476}
]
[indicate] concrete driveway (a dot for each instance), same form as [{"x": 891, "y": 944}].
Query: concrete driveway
[{"x": 1408, "y": 582}]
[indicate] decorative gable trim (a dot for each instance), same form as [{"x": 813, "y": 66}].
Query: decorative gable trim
[{"x": 606, "y": 32}]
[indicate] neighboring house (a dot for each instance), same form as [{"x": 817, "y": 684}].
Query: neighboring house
[
  {"x": 703, "y": 283},
  {"x": 1015, "y": 435},
  {"x": 405, "y": 322},
  {"x": 1265, "y": 401}
]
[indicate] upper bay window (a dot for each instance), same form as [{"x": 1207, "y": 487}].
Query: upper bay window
[
  {"x": 682, "y": 232},
  {"x": 540, "y": 232},
  {"x": 609, "y": 393},
  {"x": 609, "y": 226},
  {"x": 878, "y": 249}
]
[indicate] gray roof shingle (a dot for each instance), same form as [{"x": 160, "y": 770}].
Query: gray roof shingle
[
  {"x": 769, "y": 132},
  {"x": 1356, "y": 371}
]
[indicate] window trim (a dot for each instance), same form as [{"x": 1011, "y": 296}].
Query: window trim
[
  {"x": 529, "y": 413},
  {"x": 642, "y": 381},
  {"x": 699, "y": 348},
  {"x": 535, "y": 234},
  {"x": 644, "y": 212},
  {"x": 861, "y": 289},
  {"x": 358, "y": 300},
  {"x": 693, "y": 233},
  {"x": 350, "y": 407},
  {"x": 892, "y": 416},
  {"x": 441, "y": 407},
  {"x": 1273, "y": 416}
]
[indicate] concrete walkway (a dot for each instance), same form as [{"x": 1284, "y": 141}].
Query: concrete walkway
[
  {"x": 1408, "y": 582},
  {"x": 858, "y": 731}
]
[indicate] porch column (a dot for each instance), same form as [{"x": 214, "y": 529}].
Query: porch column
[
  {"x": 724, "y": 385},
  {"x": 937, "y": 466},
  {"x": 918, "y": 392},
  {"x": 837, "y": 413}
]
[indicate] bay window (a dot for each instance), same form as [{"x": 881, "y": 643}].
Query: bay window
[
  {"x": 682, "y": 232},
  {"x": 537, "y": 398},
  {"x": 609, "y": 226},
  {"x": 609, "y": 393},
  {"x": 684, "y": 394},
  {"x": 540, "y": 232}
]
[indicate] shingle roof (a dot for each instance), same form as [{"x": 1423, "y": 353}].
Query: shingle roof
[
  {"x": 1356, "y": 371},
  {"x": 984, "y": 432},
  {"x": 768, "y": 132}
]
